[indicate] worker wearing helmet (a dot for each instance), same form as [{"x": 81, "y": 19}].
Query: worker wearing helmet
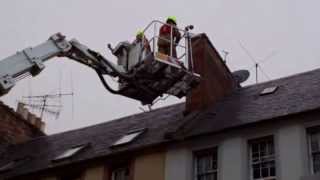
[
  {"x": 164, "y": 42},
  {"x": 141, "y": 38}
]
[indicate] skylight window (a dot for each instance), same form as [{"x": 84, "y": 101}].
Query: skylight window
[
  {"x": 70, "y": 152},
  {"x": 14, "y": 164},
  {"x": 128, "y": 137},
  {"x": 269, "y": 90},
  {"x": 7, "y": 167}
]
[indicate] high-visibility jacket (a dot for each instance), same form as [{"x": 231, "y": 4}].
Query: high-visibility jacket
[
  {"x": 145, "y": 43},
  {"x": 165, "y": 35}
]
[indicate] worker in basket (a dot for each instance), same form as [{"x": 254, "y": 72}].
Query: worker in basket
[
  {"x": 141, "y": 38},
  {"x": 164, "y": 41}
]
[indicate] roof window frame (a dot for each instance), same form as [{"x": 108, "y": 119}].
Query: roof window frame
[
  {"x": 269, "y": 90},
  {"x": 67, "y": 154},
  {"x": 127, "y": 138}
]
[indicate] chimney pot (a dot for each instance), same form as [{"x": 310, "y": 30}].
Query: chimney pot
[
  {"x": 22, "y": 110},
  {"x": 14, "y": 127}
]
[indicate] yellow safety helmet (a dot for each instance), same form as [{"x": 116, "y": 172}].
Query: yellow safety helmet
[
  {"x": 139, "y": 33},
  {"x": 173, "y": 19}
]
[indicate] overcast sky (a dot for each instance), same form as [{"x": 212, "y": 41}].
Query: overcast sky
[{"x": 282, "y": 34}]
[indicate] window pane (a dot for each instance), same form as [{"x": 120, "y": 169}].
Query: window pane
[
  {"x": 265, "y": 172},
  {"x": 206, "y": 165},
  {"x": 215, "y": 164},
  {"x": 256, "y": 171},
  {"x": 263, "y": 149},
  {"x": 120, "y": 174},
  {"x": 70, "y": 152},
  {"x": 273, "y": 171},
  {"x": 215, "y": 176},
  {"x": 255, "y": 148},
  {"x": 202, "y": 177},
  {"x": 211, "y": 177},
  {"x": 7, "y": 166},
  {"x": 262, "y": 158},
  {"x": 316, "y": 163},
  {"x": 315, "y": 150},
  {"x": 269, "y": 90},
  {"x": 201, "y": 165},
  {"x": 315, "y": 138},
  {"x": 127, "y": 138}
]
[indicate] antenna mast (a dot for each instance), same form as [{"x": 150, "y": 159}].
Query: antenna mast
[
  {"x": 44, "y": 103},
  {"x": 256, "y": 63}
]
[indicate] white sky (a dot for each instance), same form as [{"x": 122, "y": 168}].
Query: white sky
[{"x": 284, "y": 30}]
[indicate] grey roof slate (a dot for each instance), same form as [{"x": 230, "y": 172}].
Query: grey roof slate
[
  {"x": 42, "y": 150},
  {"x": 296, "y": 94}
]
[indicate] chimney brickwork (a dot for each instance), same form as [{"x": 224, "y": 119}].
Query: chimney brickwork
[
  {"x": 216, "y": 78},
  {"x": 15, "y": 128},
  {"x": 29, "y": 117}
]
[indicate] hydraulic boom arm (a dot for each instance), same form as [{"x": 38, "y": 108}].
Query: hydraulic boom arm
[
  {"x": 143, "y": 78},
  {"x": 30, "y": 60}
]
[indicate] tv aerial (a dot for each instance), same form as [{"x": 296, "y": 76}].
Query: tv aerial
[
  {"x": 48, "y": 103},
  {"x": 257, "y": 64}
]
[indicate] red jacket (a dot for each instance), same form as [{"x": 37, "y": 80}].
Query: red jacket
[{"x": 165, "y": 33}]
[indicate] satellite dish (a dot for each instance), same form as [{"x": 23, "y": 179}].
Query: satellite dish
[{"x": 241, "y": 76}]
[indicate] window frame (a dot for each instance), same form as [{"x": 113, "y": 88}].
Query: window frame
[
  {"x": 204, "y": 152},
  {"x": 269, "y": 158},
  {"x": 8, "y": 166},
  {"x": 76, "y": 173},
  {"x": 63, "y": 156},
  {"x": 121, "y": 141},
  {"x": 311, "y": 131},
  {"x": 125, "y": 168},
  {"x": 269, "y": 90}
]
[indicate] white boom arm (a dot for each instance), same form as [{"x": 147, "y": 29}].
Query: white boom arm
[
  {"x": 145, "y": 79},
  {"x": 30, "y": 60}
]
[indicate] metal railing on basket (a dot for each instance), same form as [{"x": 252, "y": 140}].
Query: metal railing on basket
[{"x": 183, "y": 48}]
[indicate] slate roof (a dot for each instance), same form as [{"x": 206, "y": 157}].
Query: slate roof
[
  {"x": 42, "y": 150},
  {"x": 296, "y": 94}
]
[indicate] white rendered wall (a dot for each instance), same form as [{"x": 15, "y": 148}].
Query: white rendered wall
[
  {"x": 232, "y": 159},
  {"x": 292, "y": 154},
  {"x": 178, "y": 164}
]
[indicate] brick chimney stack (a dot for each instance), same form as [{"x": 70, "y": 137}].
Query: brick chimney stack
[
  {"x": 29, "y": 117},
  {"x": 18, "y": 127},
  {"x": 216, "y": 78}
]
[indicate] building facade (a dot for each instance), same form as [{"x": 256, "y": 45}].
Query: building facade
[{"x": 267, "y": 131}]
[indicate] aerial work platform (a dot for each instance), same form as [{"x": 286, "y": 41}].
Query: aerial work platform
[
  {"x": 142, "y": 73},
  {"x": 156, "y": 76},
  {"x": 156, "y": 73}
]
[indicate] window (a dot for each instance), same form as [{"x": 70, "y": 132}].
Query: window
[
  {"x": 120, "y": 174},
  {"x": 129, "y": 137},
  {"x": 13, "y": 164},
  {"x": 262, "y": 159},
  {"x": 206, "y": 165},
  {"x": 70, "y": 152},
  {"x": 269, "y": 90},
  {"x": 314, "y": 149},
  {"x": 7, "y": 166},
  {"x": 72, "y": 176},
  {"x": 74, "y": 173}
]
